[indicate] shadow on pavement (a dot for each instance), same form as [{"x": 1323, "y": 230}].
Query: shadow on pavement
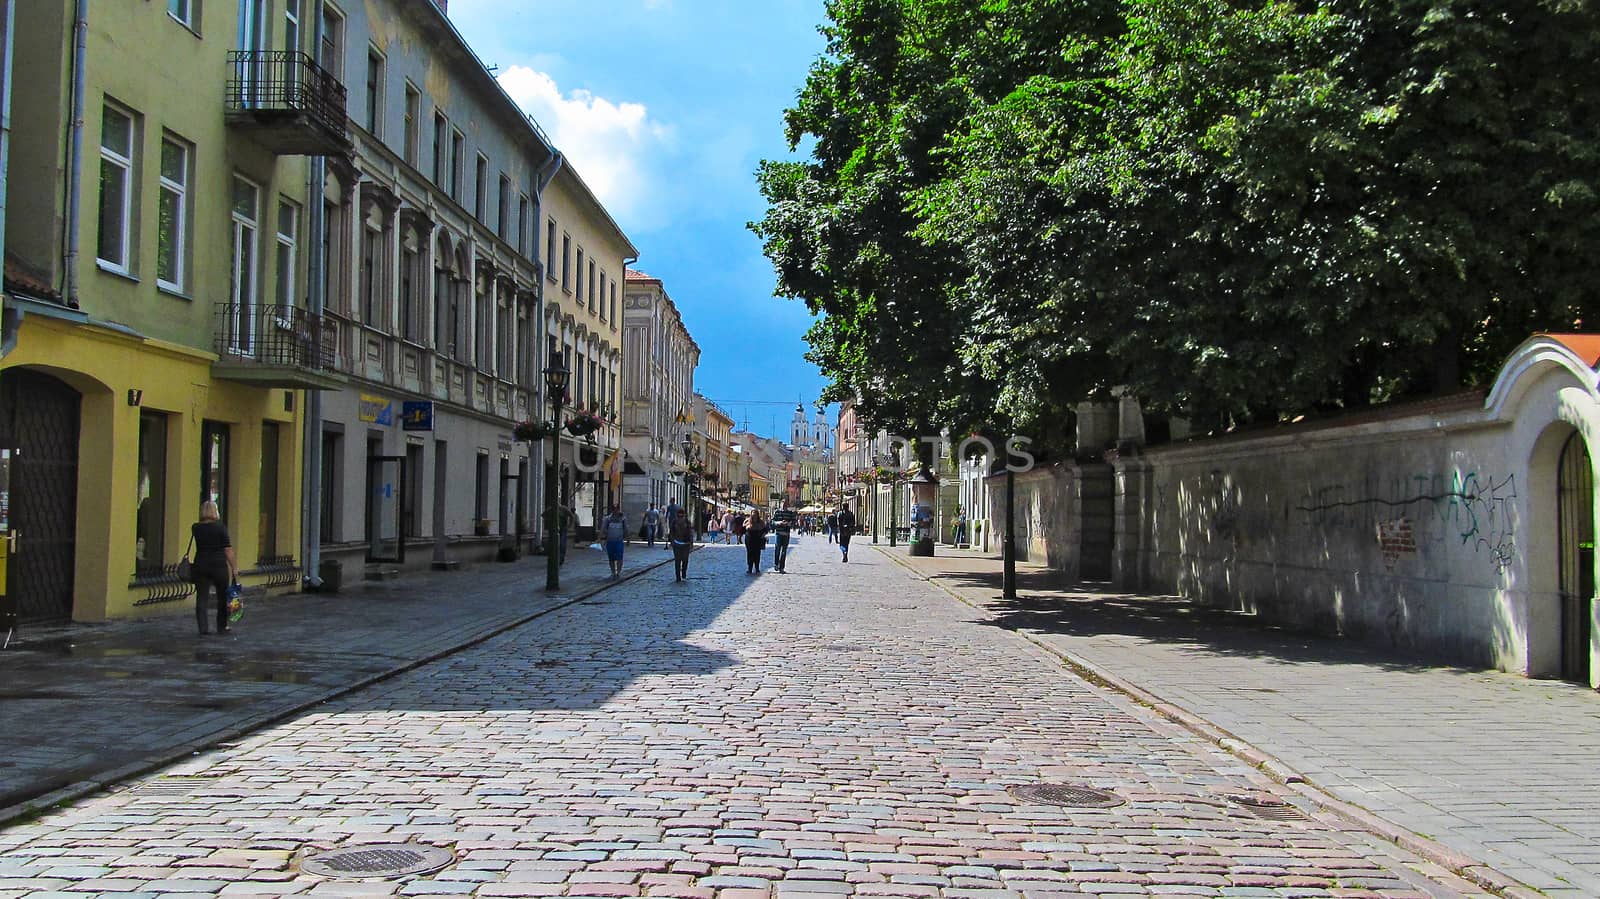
[{"x": 1048, "y": 604}]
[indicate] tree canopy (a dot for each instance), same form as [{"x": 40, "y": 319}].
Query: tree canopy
[{"x": 1239, "y": 209}]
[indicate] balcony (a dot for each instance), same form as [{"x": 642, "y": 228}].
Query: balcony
[
  {"x": 275, "y": 346},
  {"x": 287, "y": 103}
]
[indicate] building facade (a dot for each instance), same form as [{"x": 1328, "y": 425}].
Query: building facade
[
  {"x": 658, "y": 395},
  {"x": 462, "y": 254},
  {"x": 158, "y": 344}
]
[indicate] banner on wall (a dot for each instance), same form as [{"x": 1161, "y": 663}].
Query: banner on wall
[{"x": 376, "y": 409}]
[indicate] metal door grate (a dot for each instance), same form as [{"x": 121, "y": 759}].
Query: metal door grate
[{"x": 1575, "y": 503}]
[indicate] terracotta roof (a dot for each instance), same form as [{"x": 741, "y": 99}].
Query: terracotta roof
[
  {"x": 636, "y": 275},
  {"x": 24, "y": 278},
  {"x": 1586, "y": 346}
]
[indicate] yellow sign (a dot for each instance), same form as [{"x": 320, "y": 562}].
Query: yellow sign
[{"x": 376, "y": 409}]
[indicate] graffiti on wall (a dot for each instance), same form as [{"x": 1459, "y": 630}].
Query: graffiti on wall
[{"x": 1474, "y": 508}]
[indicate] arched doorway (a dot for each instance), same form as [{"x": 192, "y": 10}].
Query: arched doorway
[
  {"x": 39, "y": 424},
  {"x": 1575, "y": 502}
]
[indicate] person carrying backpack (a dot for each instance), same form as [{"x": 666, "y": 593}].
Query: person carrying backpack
[{"x": 614, "y": 530}]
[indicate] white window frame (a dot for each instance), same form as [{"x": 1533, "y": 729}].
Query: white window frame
[
  {"x": 113, "y": 157},
  {"x": 181, "y": 191},
  {"x": 189, "y": 16},
  {"x": 243, "y": 339},
  {"x": 291, "y": 25},
  {"x": 377, "y": 75},
  {"x": 286, "y": 257}
]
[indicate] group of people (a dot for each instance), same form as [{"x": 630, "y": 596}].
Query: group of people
[{"x": 215, "y": 567}]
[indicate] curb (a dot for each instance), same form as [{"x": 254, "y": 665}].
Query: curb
[
  {"x": 29, "y": 808},
  {"x": 1433, "y": 851}
]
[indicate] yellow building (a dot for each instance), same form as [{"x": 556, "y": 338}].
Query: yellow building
[{"x": 158, "y": 341}]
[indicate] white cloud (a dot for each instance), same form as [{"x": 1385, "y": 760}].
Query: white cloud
[{"x": 608, "y": 143}]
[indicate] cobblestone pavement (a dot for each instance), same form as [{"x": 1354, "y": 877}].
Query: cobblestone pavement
[
  {"x": 1499, "y": 768},
  {"x": 839, "y": 730},
  {"x": 66, "y": 692}
]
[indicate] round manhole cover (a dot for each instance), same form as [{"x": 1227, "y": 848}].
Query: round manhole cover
[
  {"x": 378, "y": 860},
  {"x": 1066, "y": 794}
]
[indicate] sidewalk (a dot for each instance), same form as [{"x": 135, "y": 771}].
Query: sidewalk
[
  {"x": 1489, "y": 768},
  {"x": 88, "y": 705}
]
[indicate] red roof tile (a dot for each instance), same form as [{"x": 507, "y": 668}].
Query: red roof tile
[{"x": 24, "y": 278}]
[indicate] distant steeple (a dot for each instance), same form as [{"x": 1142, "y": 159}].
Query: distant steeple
[
  {"x": 798, "y": 432},
  {"x": 821, "y": 434}
]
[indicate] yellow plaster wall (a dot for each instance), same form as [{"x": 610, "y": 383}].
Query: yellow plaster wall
[{"x": 104, "y": 365}]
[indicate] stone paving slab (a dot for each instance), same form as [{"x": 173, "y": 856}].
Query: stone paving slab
[
  {"x": 1499, "y": 768},
  {"x": 841, "y": 730},
  {"x": 86, "y": 703}
]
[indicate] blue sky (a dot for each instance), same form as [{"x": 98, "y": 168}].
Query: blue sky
[{"x": 666, "y": 107}]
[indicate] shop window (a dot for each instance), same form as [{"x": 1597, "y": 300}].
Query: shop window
[
  {"x": 267, "y": 546},
  {"x": 480, "y": 493},
  {"x": 214, "y": 467},
  {"x": 332, "y": 485},
  {"x": 150, "y": 530}
]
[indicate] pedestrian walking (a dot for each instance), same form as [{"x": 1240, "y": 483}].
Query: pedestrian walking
[
  {"x": 680, "y": 537},
  {"x": 652, "y": 525},
  {"x": 672, "y": 514},
  {"x": 832, "y": 524},
  {"x": 215, "y": 567},
  {"x": 727, "y": 526},
  {"x": 847, "y": 529},
  {"x": 755, "y": 539},
  {"x": 740, "y": 522},
  {"x": 614, "y": 531},
  {"x": 782, "y": 524},
  {"x": 714, "y": 528},
  {"x": 961, "y": 527}
]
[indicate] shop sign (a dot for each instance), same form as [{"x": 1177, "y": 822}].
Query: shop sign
[
  {"x": 416, "y": 415},
  {"x": 376, "y": 409}
]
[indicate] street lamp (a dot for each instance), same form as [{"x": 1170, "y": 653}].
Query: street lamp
[{"x": 555, "y": 385}]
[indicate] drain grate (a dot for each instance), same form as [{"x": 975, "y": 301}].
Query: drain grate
[
  {"x": 1072, "y": 795},
  {"x": 378, "y": 860},
  {"x": 1269, "y": 808},
  {"x": 175, "y": 785}
]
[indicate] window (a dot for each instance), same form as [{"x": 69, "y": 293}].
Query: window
[
  {"x": 267, "y": 538},
  {"x": 118, "y": 138},
  {"x": 187, "y": 12},
  {"x": 243, "y": 263},
  {"x": 150, "y": 528},
  {"x": 172, "y": 215},
  {"x": 613, "y": 304},
  {"x": 480, "y": 492},
  {"x": 291, "y": 25},
  {"x": 441, "y": 131},
  {"x": 524, "y": 222},
  {"x": 332, "y": 499},
  {"x": 504, "y": 220},
  {"x": 374, "y": 92},
  {"x": 458, "y": 149},
  {"x": 550, "y": 250},
  {"x": 410, "y": 279},
  {"x": 413, "y": 149},
  {"x": 480, "y": 190},
  {"x": 214, "y": 466},
  {"x": 566, "y": 263},
  {"x": 602, "y": 296},
  {"x": 372, "y": 268},
  {"x": 332, "y": 51},
  {"x": 334, "y": 249},
  {"x": 591, "y": 285},
  {"x": 579, "y": 273},
  {"x": 288, "y": 230}
]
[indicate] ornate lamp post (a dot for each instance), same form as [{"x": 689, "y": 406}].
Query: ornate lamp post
[{"x": 555, "y": 384}]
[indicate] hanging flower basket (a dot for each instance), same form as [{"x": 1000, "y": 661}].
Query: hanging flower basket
[
  {"x": 532, "y": 430},
  {"x": 583, "y": 423}
]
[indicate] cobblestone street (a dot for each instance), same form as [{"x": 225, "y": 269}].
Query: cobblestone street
[{"x": 841, "y": 729}]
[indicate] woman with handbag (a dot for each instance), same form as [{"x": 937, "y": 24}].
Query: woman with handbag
[{"x": 214, "y": 567}]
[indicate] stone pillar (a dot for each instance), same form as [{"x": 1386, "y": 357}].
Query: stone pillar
[
  {"x": 1097, "y": 428},
  {"x": 1132, "y": 488}
]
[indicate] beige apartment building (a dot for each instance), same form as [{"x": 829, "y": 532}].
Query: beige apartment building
[{"x": 658, "y": 395}]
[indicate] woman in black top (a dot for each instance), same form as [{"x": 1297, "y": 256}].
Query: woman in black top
[
  {"x": 214, "y": 567},
  {"x": 755, "y": 539}
]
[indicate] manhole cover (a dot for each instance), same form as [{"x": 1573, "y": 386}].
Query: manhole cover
[
  {"x": 1268, "y": 807},
  {"x": 1066, "y": 794},
  {"x": 378, "y": 860}
]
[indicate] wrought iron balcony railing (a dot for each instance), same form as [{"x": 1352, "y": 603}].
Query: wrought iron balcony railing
[
  {"x": 297, "y": 106},
  {"x": 274, "y": 336}
]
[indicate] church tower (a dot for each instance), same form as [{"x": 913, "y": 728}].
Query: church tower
[
  {"x": 797, "y": 427},
  {"x": 821, "y": 434}
]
